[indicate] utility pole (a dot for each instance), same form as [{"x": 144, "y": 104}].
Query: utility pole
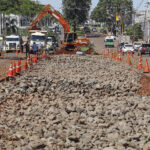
[
  {"x": 133, "y": 39},
  {"x": 146, "y": 21}
]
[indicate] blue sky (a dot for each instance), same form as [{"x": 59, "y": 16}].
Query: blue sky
[{"x": 57, "y": 3}]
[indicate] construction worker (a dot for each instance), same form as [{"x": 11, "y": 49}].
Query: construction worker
[
  {"x": 47, "y": 49},
  {"x": 27, "y": 47},
  {"x": 35, "y": 48}
]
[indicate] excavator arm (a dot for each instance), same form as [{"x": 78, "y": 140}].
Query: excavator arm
[
  {"x": 70, "y": 38},
  {"x": 49, "y": 9}
]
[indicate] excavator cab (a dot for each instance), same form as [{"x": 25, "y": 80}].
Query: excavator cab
[{"x": 70, "y": 37}]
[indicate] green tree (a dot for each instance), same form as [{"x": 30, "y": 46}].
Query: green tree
[
  {"x": 76, "y": 11},
  {"x": 135, "y": 32},
  {"x": 106, "y": 10},
  {"x": 25, "y": 8}
]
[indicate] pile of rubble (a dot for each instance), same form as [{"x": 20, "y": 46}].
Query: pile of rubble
[{"x": 75, "y": 103}]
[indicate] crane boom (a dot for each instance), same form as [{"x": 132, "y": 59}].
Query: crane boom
[{"x": 49, "y": 9}]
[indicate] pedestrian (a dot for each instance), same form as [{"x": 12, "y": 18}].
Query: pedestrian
[
  {"x": 35, "y": 48},
  {"x": 27, "y": 47}
]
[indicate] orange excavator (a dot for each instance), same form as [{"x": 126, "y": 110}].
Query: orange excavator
[{"x": 70, "y": 38}]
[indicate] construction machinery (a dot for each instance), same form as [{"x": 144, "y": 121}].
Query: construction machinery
[{"x": 70, "y": 38}]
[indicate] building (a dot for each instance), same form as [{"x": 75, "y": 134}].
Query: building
[{"x": 143, "y": 17}]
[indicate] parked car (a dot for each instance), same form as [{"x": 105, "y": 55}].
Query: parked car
[
  {"x": 137, "y": 45},
  {"x": 120, "y": 45},
  {"x": 94, "y": 29},
  {"x": 128, "y": 47},
  {"x": 103, "y": 31},
  {"x": 144, "y": 49},
  {"x": 113, "y": 37},
  {"x": 87, "y": 30}
]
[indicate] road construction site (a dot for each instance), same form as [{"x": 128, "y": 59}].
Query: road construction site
[{"x": 84, "y": 102}]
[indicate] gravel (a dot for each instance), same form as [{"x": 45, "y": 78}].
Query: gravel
[{"x": 75, "y": 103}]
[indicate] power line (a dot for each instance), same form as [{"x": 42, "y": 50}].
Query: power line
[{"x": 140, "y": 4}]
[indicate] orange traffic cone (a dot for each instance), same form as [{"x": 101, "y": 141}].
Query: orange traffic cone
[
  {"x": 129, "y": 61},
  {"x": 14, "y": 68},
  {"x": 20, "y": 51},
  {"x": 104, "y": 52},
  {"x": 140, "y": 63},
  {"x": 44, "y": 54},
  {"x": 28, "y": 62},
  {"x": 25, "y": 67},
  {"x": 146, "y": 70},
  {"x": 16, "y": 52},
  {"x": 128, "y": 53},
  {"x": 34, "y": 60},
  {"x": 18, "y": 67},
  {"x": 119, "y": 57},
  {"x": 10, "y": 72}
]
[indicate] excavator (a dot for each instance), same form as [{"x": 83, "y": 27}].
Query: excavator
[{"x": 70, "y": 38}]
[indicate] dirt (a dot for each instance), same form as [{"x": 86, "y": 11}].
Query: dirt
[{"x": 145, "y": 81}]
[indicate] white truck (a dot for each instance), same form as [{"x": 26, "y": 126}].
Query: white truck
[
  {"x": 38, "y": 37},
  {"x": 12, "y": 42}
]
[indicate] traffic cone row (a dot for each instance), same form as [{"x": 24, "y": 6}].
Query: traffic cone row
[
  {"x": 14, "y": 69},
  {"x": 117, "y": 56}
]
